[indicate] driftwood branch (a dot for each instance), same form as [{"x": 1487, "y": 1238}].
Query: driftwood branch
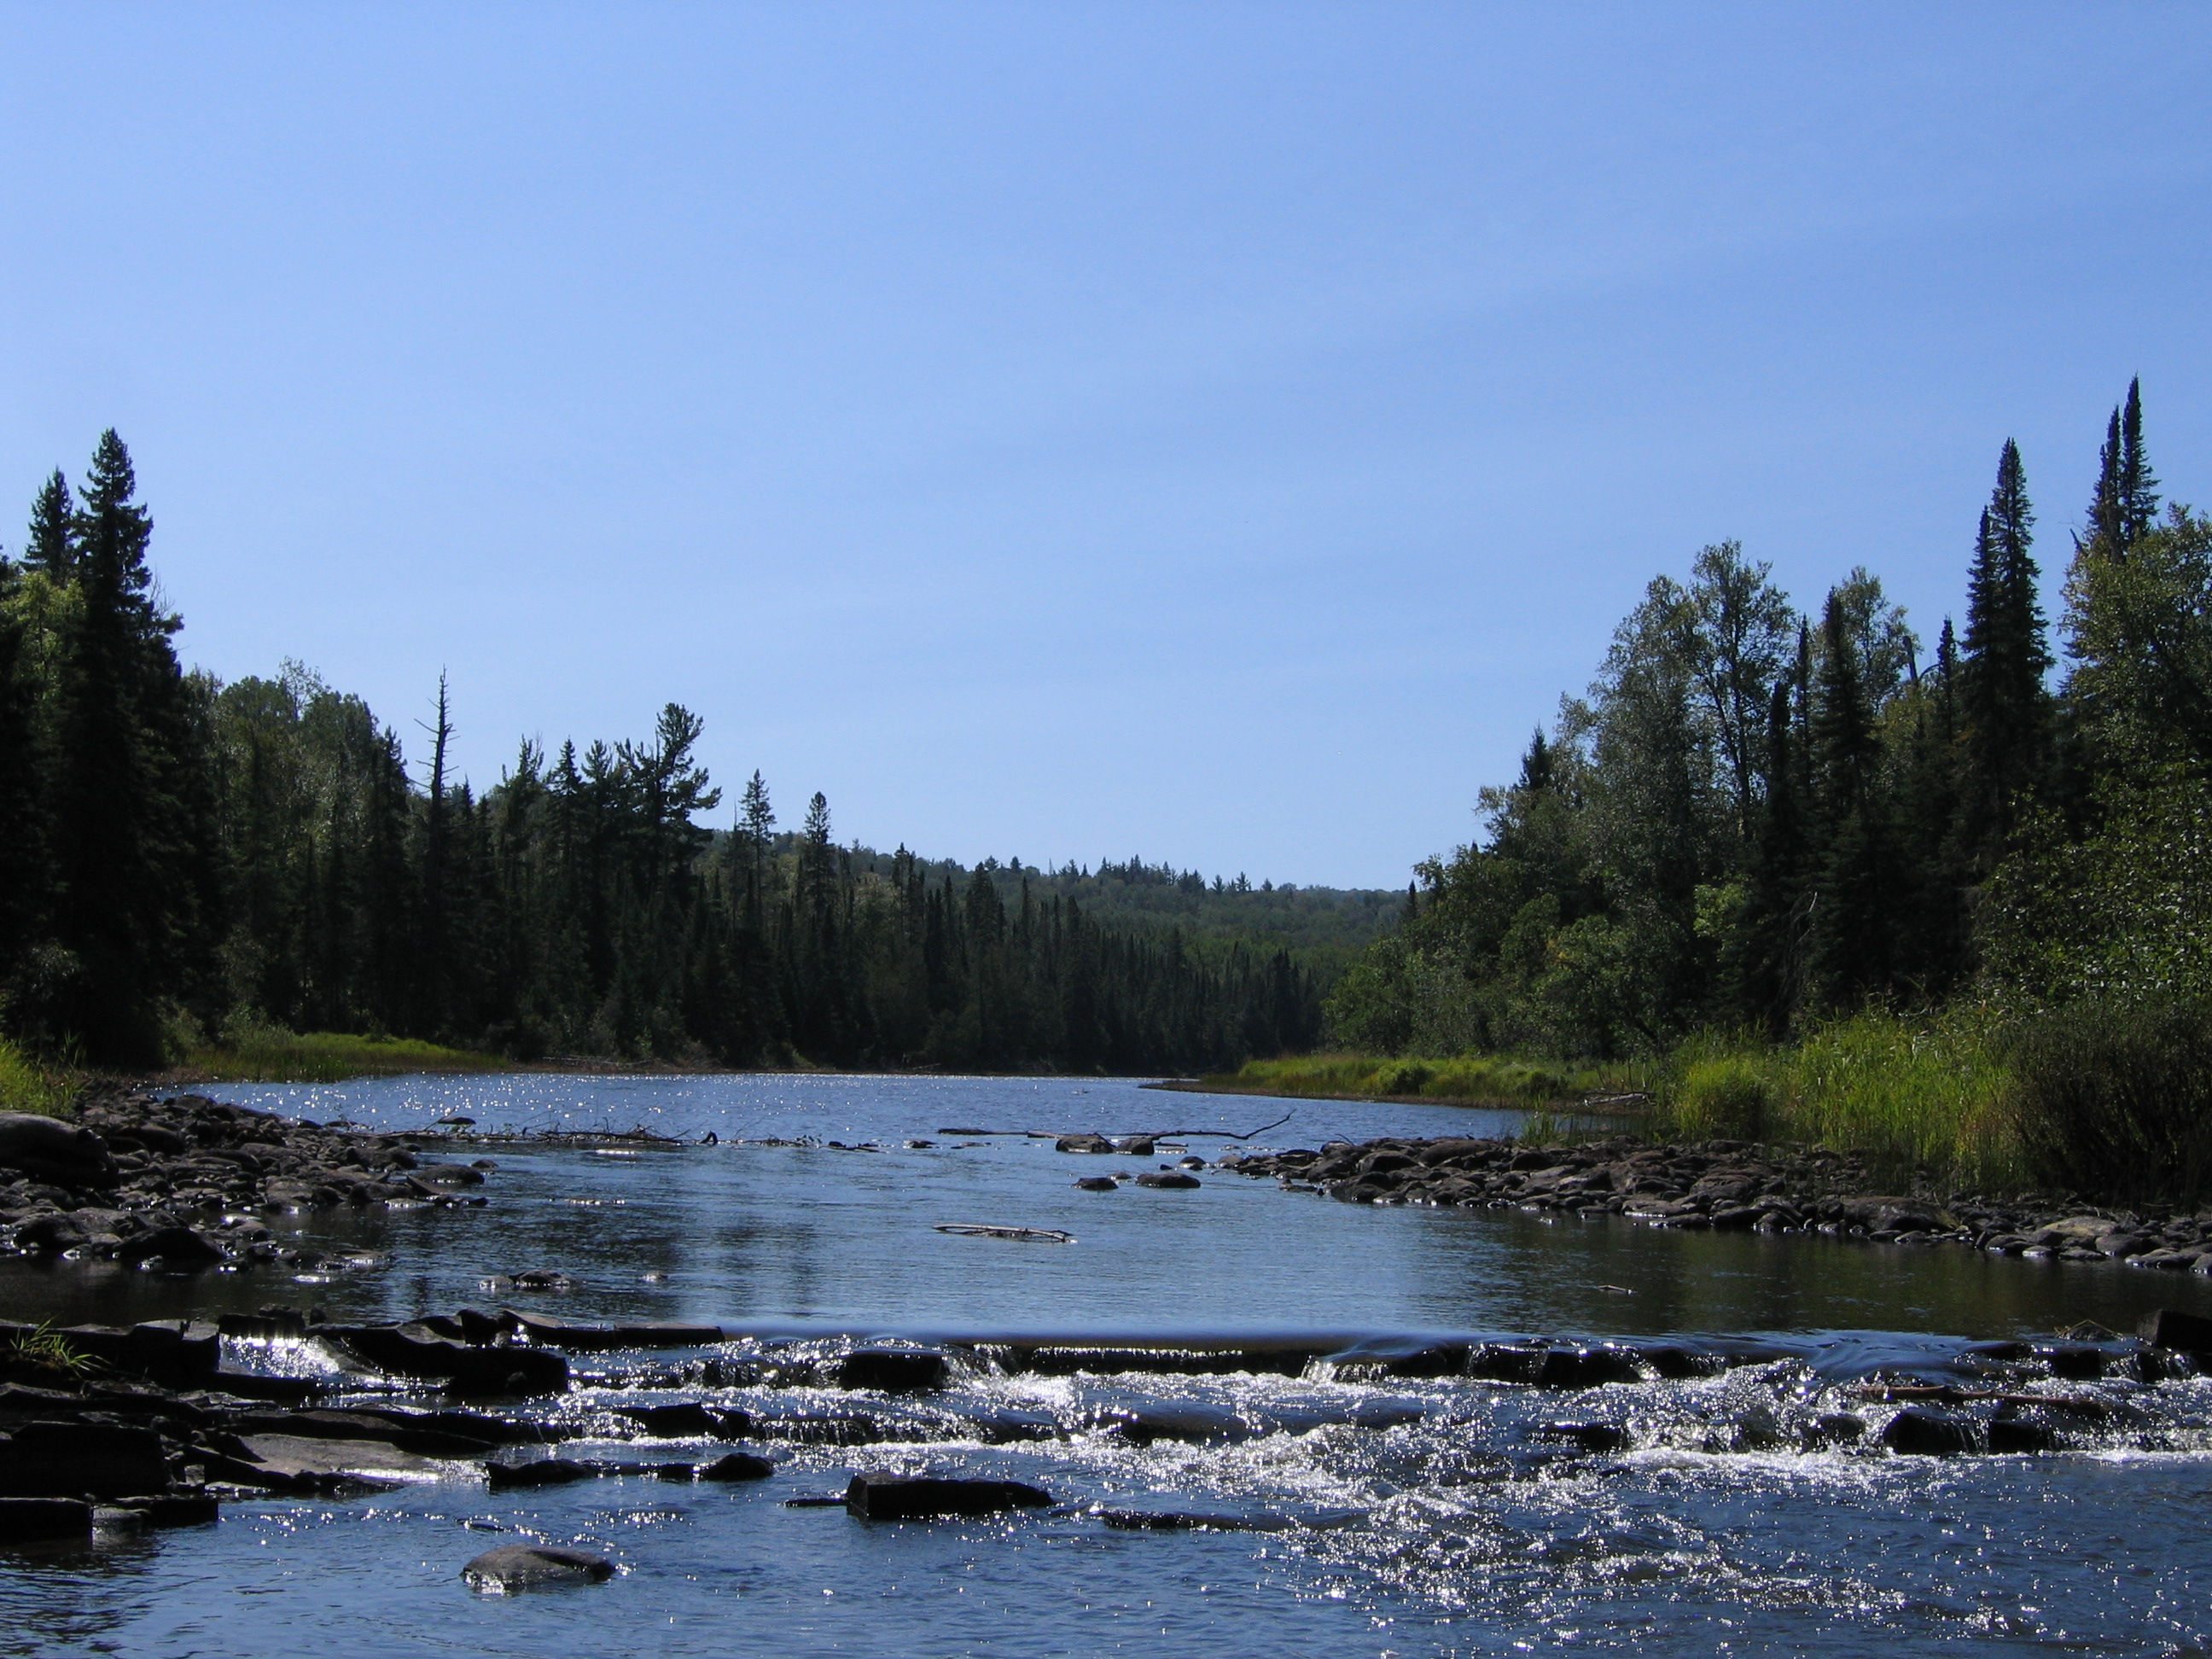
[{"x": 1133, "y": 1134}]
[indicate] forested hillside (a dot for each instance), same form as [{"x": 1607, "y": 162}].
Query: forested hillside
[
  {"x": 1760, "y": 819},
  {"x": 177, "y": 855}
]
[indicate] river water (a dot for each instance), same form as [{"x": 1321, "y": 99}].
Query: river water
[{"x": 1376, "y": 1515}]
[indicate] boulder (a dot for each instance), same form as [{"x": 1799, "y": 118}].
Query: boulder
[
  {"x": 47, "y": 1149},
  {"x": 44, "y": 1520},
  {"x": 688, "y": 1419},
  {"x": 738, "y": 1466},
  {"x": 178, "y": 1247},
  {"x": 1083, "y": 1143},
  {"x": 1917, "y": 1431},
  {"x": 2021, "y": 1435},
  {"x": 1097, "y": 1184},
  {"x": 449, "y": 1174},
  {"x": 82, "y": 1460},
  {"x": 2169, "y": 1328},
  {"x": 923, "y": 1498},
  {"x": 1135, "y": 1146},
  {"x": 544, "y": 1471},
  {"x": 50, "y": 1234},
  {"x": 1176, "y": 1178},
  {"x": 893, "y": 1370},
  {"x": 534, "y": 1566}
]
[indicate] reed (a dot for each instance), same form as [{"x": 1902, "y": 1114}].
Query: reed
[{"x": 1480, "y": 1079}]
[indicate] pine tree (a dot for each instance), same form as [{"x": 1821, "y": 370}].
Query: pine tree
[
  {"x": 26, "y": 876},
  {"x": 1851, "y": 920},
  {"x": 2005, "y": 709}
]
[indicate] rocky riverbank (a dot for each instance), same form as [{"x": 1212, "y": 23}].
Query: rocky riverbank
[
  {"x": 178, "y": 1181},
  {"x": 1731, "y": 1184}
]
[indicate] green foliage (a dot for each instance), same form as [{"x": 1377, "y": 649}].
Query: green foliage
[
  {"x": 2115, "y": 1097},
  {"x": 26, "y": 1087},
  {"x": 46, "y": 1353},
  {"x": 252, "y": 1052},
  {"x": 1911, "y": 1094},
  {"x": 1469, "y": 1080}
]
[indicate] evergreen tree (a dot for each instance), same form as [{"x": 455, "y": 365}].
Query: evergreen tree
[
  {"x": 2125, "y": 504},
  {"x": 2005, "y": 708},
  {"x": 51, "y": 545},
  {"x": 117, "y": 855}
]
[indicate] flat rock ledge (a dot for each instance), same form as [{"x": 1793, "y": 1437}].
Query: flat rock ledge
[{"x": 1728, "y": 1184}]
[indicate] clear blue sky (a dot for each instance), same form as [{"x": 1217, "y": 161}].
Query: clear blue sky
[{"x": 1213, "y": 432}]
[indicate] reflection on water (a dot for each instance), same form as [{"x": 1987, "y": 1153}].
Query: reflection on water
[{"x": 1462, "y": 1516}]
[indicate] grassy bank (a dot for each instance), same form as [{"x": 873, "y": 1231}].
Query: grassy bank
[
  {"x": 1460, "y": 1080},
  {"x": 26, "y": 1087},
  {"x": 2111, "y": 1100},
  {"x": 270, "y": 1055}
]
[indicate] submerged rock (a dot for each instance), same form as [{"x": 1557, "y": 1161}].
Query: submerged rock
[
  {"x": 534, "y": 1566},
  {"x": 738, "y": 1466},
  {"x": 44, "y": 1520},
  {"x": 924, "y": 1498},
  {"x": 1166, "y": 1178},
  {"x": 1916, "y": 1431},
  {"x": 892, "y": 1371}
]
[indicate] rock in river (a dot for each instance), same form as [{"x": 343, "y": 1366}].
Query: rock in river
[
  {"x": 44, "y": 1520},
  {"x": 1916, "y": 1431},
  {"x": 534, "y": 1566},
  {"x": 920, "y": 1497}
]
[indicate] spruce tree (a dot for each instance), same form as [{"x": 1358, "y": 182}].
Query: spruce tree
[
  {"x": 52, "y": 544},
  {"x": 2125, "y": 504},
  {"x": 1851, "y": 919},
  {"x": 119, "y": 922},
  {"x": 2004, "y": 707}
]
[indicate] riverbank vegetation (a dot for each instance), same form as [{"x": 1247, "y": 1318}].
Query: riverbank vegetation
[
  {"x": 1459, "y": 1080},
  {"x": 180, "y": 858},
  {"x": 1948, "y": 906},
  {"x": 247, "y": 1051}
]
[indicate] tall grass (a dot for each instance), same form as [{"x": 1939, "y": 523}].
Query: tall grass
[
  {"x": 1481, "y": 1080},
  {"x": 27, "y": 1087},
  {"x": 1933, "y": 1095},
  {"x": 269, "y": 1054}
]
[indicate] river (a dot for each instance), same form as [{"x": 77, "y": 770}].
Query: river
[{"x": 1392, "y": 1516}]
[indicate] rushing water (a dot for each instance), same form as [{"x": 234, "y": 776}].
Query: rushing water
[{"x": 1392, "y": 1515}]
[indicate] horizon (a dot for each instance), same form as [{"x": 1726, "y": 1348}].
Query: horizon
[{"x": 1224, "y": 435}]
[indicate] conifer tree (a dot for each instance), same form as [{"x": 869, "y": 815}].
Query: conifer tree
[
  {"x": 118, "y": 917},
  {"x": 2005, "y": 709},
  {"x": 2125, "y": 504},
  {"x": 52, "y": 544}
]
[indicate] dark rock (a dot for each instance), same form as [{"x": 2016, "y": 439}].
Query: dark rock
[
  {"x": 738, "y": 1466},
  {"x": 1833, "y": 1429},
  {"x": 2079, "y": 1364},
  {"x": 178, "y": 1247},
  {"x": 47, "y": 1149},
  {"x": 1097, "y": 1184},
  {"x": 1135, "y": 1146},
  {"x": 1188, "y": 1420},
  {"x": 44, "y": 1520},
  {"x": 1917, "y": 1431},
  {"x": 449, "y": 1174},
  {"x": 50, "y": 1234},
  {"x": 2021, "y": 1435},
  {"x": 1591, "y": 1436},
  {"x": 82, "y": 1460},
  {"x": 534, "y": 1566},
  {"x": 2169, "y": 1328},
  {"x": 893, "y": 1370},
  {"x": 1083, "y": 1143},
  {"x": 1166, "y": 1178},
  {"x": 689, "y": 1418},
  {"x": 921, "y": 1497},
  {"x": 1757, "y": 1429},
  {"x": 544, "y": 1471}
]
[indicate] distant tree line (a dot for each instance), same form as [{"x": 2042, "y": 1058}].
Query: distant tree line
[
  {"x": 1758, "y": 817},
  {"x": 176, "y": 854}
]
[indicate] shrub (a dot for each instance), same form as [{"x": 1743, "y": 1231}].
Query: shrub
[{"x": 2116, "y": 1098}]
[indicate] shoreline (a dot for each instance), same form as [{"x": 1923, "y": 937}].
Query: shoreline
[{"x": 1733, "y": 1185}]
